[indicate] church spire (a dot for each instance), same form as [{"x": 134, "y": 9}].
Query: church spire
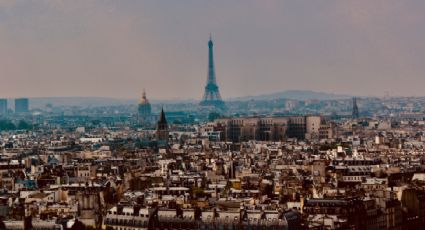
[
  {"x": 355, "y": 111},
  {"x": 162, "y": 127},
  {"x": 162, "y": 118}
]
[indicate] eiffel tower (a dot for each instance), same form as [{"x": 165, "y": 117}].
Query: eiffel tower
[{"x": 212, "y": 96}]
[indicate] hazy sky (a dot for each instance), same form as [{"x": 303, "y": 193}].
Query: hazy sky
[{"x": 117, "y": 48}]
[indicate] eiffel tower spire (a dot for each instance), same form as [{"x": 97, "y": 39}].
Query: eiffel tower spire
[{"x": 212, "y": 95}]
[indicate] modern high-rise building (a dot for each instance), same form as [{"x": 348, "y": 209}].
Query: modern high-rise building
[
  {"x": 21, "y": 105},
  {"x": 355, "y": 109},
  {"x": 212, "y": 97},
  {"x": 162, "y": 127},
  {"x": 3, "y": 106},
  {"x": 144, "y": 110}
]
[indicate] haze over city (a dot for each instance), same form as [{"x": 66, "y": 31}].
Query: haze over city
[
  {"x": 212, "y": 114},
  {"x": 117, "y": 48}
]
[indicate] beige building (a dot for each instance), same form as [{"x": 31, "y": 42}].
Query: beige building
[{"x": 272, "y": 128}]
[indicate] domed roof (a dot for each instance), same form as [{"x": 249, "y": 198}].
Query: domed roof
[{"x": 143, "y": 100}]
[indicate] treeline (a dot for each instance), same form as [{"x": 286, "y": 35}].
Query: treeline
[{"x": 7, "y": 125}]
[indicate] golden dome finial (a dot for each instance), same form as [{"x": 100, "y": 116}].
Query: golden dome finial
[{"x": 144, "y": 99}]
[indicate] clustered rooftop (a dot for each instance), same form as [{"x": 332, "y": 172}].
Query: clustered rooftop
[{"x": 236, "y": 173}]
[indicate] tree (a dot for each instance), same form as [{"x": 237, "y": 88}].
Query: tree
[
  {"x": 2, "y": 225},
  {"x": 197, "y": 192},
  {"x": 28, "y": 223},
  {"x": 23, "y": 125},
  {"x": 7, "y": 125},
  {"x": 213, "y": 115},
  {"x": 78, "y": 225}
]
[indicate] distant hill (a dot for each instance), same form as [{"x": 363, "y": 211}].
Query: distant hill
[
  {"x": 295, "y": 95},
  {"x": 42, "y": 102}
]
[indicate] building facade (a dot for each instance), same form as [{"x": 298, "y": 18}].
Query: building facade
[
  {"x": 3, "y": 106},
  {"x": 21, "y": 105},
  {"x": 272, "y": 128}
]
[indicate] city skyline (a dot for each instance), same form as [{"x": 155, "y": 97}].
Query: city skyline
[
  {"x": 197, "y": 114},
  {"x": 115, "y": 49}
]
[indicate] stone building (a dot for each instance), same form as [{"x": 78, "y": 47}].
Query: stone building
[{"x": 272, "y": 128}]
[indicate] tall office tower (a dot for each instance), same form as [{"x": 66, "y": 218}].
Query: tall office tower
[
  {"x": 21, "y": 105},
  {"x": 162, "y": 127},
  {"x": 355, "y": 109},
  {"x": 212, "y": 96},
  {"x": 144, "y": 109},
  {"x": 3, "y": 106}
]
